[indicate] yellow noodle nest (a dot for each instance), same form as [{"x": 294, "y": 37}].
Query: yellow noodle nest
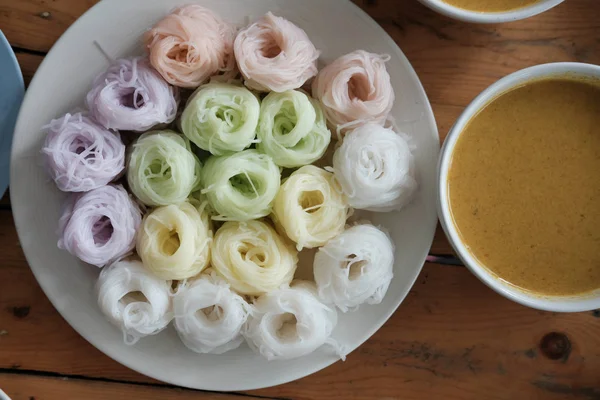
[
  {"x": 253, "y": 257},
  {"x": 174, "y": 241},
  {"x": 309, "y": 208}
]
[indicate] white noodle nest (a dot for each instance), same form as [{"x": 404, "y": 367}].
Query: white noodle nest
[
  {"x": 209, "y": 316},
  {"x": 253, "y": 257},
  {"x": 291, "y": 322},
  {"x": 174, "y": 241},
  {"x": 275, "y": 55},
  {"x": 134, "y": 300},
  {"x": 354, "y": 89},
  {"x": 375, "y": 168},
  {"x": 355, "y": 267},
  {"x": 310, "y": 207}
]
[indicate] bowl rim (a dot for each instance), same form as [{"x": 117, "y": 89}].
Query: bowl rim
[
  {"x": 586, "y": 302},
  {"x": 461, "y": 14}
]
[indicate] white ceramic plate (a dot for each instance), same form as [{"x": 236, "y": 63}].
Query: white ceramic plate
[{"x": 335, "y": 27}]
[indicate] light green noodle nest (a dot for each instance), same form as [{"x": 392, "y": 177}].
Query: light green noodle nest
[
  {"x": 292, "y": 129},
  {"x": 241, "y": 186},
  {"x": 221, "y": 118},
  {"x": 162, "y": 169}
]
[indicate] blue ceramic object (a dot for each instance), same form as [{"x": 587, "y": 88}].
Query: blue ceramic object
[{"x": 12, "y": 89}]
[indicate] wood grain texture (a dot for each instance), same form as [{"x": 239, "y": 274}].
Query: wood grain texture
[
  {"x": 440, "y": 245},
  {"x": 452, "y": 338},
  {"x": 27, "y": 387},
  {"x": 36, "y": 24},
  {"x": 29, "y": 63}
]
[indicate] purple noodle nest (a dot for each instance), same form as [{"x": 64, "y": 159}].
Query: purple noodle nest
[
  {"x": 100, "y": 226},
  {"x": 132, "y": 96},
  {"x": 80, "y": 154}
]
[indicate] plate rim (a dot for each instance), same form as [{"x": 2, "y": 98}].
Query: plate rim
[{"x": 429, "y": 117}]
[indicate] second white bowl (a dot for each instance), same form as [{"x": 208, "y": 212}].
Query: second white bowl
[{"x": 490, "y": 17}]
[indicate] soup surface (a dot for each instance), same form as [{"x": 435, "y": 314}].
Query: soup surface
[
  {"x": 490, "y": 5},
  {"x": 524, "y": 186}
]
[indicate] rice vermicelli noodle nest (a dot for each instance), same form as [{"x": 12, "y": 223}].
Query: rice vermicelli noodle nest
[
  {"x": 310, "y": 208},
  {"x": 355, "y": 267},
  {"x": 174, "y": 241},
  {"x": 190, "y": 45},
  {"x": 162, "y": 169},
  {"x": 241, "y": 186},
  {"x": 375, "y": 168},
  {"x": 289, "y": 323},
  {"x": 221, "y": 118},
  {"x": 253, "y": 257},
  {"x": 209, "y": 316},
  {"x": 132, "y": 96},
  {"x": 292, "y": 129},
  {"x": 99, "y": 226},
  {"x": 355, "y": 89},
  {"x": 275, "y": 55},
  {"x": 134, "y": 300},
  {"x": 80, "y": 154}
]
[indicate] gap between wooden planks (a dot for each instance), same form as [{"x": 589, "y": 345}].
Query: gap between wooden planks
[
  {"x": 451, "y": 337},
  {"x": 36, "y": 387}
]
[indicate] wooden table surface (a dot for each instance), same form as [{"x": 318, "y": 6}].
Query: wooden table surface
[{"x": 452, "y": 338}]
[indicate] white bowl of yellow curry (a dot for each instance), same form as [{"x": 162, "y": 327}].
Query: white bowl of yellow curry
[
  {"x": 490, "y": 11},
  {"x": 519, "y": 187}
]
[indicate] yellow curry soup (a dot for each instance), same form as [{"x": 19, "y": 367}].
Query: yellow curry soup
[
  {"x": 524, "y": 186},
  {"x": 490, "y": 5}
]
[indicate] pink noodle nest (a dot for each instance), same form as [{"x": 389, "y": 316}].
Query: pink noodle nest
[
  {"x": 355, "y": 89},
  {"x": 132, "y": 96},
  {"x": 273, "y": 54},
  {"x": 80, "y": 154},
  {"x": 99, "y": 226},
  {"x": 191, "y": 44}
]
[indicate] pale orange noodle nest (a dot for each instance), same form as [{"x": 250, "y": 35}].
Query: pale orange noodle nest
[
  {"x": 355, "y": 89},
  {"x": 190, "y": 45},
  {"x": 275, "y": 55}
]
